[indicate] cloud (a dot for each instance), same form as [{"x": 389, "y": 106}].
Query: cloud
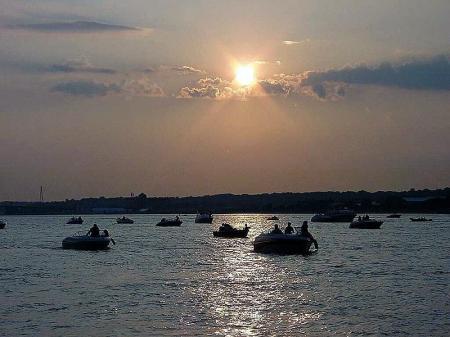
[
  {"x": 88, "y": 88},
  {"x": 293, "y": 43},
  {"x": 426, "y": 74},
  {"x": 214, "y": 88},
  {"x": 279, "y": 86},
  {"x": 79, "y": 66},
  {"x": 74, "y": 27},
  {"x": 186, "y": 70}
]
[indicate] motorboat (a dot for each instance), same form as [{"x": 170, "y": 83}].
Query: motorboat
[
  {"x": 421, "y": 219},
  {"x": 228, "y": 231},
  {"x": 124, "y": 220},
  {"x": 366, "y": 223},
  {"x": 2, "y": 224},
  {"x": 341, "y": 215},
  {"x": 394, "y": 216},
  {"x": 282, "y": 243},
  {"x": 273, "y": 218},
  {"x": 75, "y": 221},
  {"x": 204, "y": 217},
  {"x": 170, "y": 222},
  {"x": 87, "y": 242}
]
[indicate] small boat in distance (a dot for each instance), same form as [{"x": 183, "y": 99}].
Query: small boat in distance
[
  {"x": 75, "y": 221},
  {"x": 273, "y": 218},
  {"x": 124, "y": 220},
  {"x": 2, "y": 224},
  {"x": 204, "y": 217},
  {"x": 394, "y": 216},
  {"x": 170, "y": 222},
  {"x": 228, "y": 231},
  {"x": 87, "y": 242},
  {"x": 421, "y": 219},
  {"x": 340, "y": 215},
  {"x": 366, "y": 223}
]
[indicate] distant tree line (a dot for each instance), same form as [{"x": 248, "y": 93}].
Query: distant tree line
[{"x": 412, "y": 201}]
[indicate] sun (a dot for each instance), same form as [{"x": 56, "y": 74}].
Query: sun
[{"x": 245, "y": 75}]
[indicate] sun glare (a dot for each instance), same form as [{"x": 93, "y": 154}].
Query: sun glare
[{"x": 245, "y": 75}]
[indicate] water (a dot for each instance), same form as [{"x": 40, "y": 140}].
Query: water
[{"x": 184, "y": 282}]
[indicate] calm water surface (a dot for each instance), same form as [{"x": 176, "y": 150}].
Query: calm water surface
[{"x": 184, "y": 282}]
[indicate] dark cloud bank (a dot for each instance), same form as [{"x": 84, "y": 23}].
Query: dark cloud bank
[{"x": 74, "y": 27}]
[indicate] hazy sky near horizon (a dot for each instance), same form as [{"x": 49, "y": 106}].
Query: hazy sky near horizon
[{"x": 112, "y": 97}]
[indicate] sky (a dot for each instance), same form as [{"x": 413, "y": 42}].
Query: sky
[{"x": 176, "y": 98}]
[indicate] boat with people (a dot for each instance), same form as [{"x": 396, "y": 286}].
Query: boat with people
[
  {"x": 275, "y": 241},
  {"x": 394, "y": 216},
  {"x": 273, "y": 218},
  {"x": 124, "y": 220},
  {"x": 420, "y": 219},
  {"x": 170, "y": 222},
  {"x": 366, "y": 223},
  {"x": 2, "y": 224},
  {"x": 204, "y": 217},
  {"x": 75, "y": 221},
  {"x": 93, "y": 240},
  {"x": 340, "y": 215},
  {"x": 228, "y": 231}
]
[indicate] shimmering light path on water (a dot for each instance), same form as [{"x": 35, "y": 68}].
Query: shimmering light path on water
[{"x": 184, "y": 282}]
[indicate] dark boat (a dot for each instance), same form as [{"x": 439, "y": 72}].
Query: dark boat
[
  {"x": 227, "y": 231},
  {"x": 169, "y": 222},
  {"x": 366, "y": 224},
  {"x": 75, "y": 221},
  {"x": 273, "y": 218},
  {"x": 421, "y": 219},
  {"x": 124, "y": 220},
  {"x": 86, "y": 242},
  {"x": 2, "y": 224},
  {"x": 282, "y": 243},
  {"x": 394, "y": 216},
  {"x": 342, "y": 215},
  {"x": 204, "y": 217}
]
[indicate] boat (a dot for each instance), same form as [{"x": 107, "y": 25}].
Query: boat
[
  {"x": 75, "y": 221},
  {"x": 273, "y": 218},
  {"x": 170, "y": 222},
  {"x": 366, "y": 223},
  {"x": 2, "y": 224},
  {"x": 282, "y": 243},
  {"x": 227, "y": 231},
  {"x": 394, "y": 216},
  {"x": 124, "y": 220},
  {"x": 204, "y": 217},
  {"x": 341, "y": 215},
  {"x": 421, "y": 219},
  {"x": 87, "y": 242}
]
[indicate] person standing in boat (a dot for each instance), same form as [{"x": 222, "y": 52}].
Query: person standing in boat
[
  {"x": 94, "y": 231},
  {"x": 305, "y": 232},
  {"x": 289, "y": 229}
]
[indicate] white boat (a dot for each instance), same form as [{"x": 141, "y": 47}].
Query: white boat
[
  {"x": 204, "y": 217},
  {"x": 282, "y": 243},
  {"x": 86, "y": 242}
]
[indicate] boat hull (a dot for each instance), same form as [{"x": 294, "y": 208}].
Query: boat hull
[
  {"x": 169, "y": 223},
  {"x": 282, "y": 244},
  {"x": 125, "y": 222},
  {"x": 237, "y": 233},
  {"x": 333, "y": 218},
  {"x": 204, "y": 220},
  {"x": 394, "y": 216},
  {"x": 366, "y": 224},
  {"x": 86, "y": 242}
]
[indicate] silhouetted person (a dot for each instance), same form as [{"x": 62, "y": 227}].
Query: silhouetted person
[
  {"x": 289, "y": 229},
  {"x": 276, "y": 230},
  {"x": 359, "y": 218},
  {"x": 305, "y": 232},
  {"x": 94, "y": 231},
  {"x": 105, "y": 232}
]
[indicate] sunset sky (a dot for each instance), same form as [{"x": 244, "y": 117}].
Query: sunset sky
[{"x": 176, "y": 98}]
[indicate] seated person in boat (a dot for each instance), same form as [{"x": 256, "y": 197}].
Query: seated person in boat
[
  {"x": 226, "y": 227},
  {"x": 94, "y": 231},
  {"x": 305, "y": 232},
  {"x": 276, "y": 230},
  {"x": 289, "y": 229},
  {"x": 105, "y": 233}
]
